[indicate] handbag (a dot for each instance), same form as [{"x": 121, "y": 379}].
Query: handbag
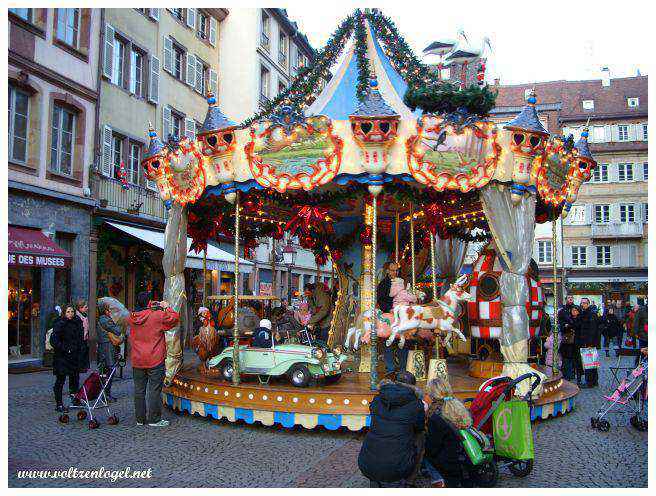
[
  {"x": 589, "y": 358},
  {"x": 511, "y": 427}
]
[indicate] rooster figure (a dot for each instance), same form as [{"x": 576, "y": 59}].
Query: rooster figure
[{"x": 207, "y": 342}]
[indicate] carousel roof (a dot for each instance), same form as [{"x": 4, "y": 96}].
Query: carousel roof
[
  {"x": 582, "y": 146},
  {"x": 374, "y": 105},
  {"x": 155, "y": 146},
  {"x": 528, "y": 120},
  {"x": 215, "y": 120}
]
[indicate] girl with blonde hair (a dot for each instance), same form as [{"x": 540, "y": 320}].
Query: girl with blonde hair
[{"x": 444, "y": 455}]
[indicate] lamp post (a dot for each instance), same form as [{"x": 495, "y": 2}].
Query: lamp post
[{"x": 289, "y": 257}]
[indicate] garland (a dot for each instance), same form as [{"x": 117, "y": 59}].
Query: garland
[
  {"x": 300, "y": 93},
  {"x": 364, "y": 73},
  {"x": 425, "y": 90}
]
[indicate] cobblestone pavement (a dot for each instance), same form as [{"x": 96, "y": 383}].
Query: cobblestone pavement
[{"x": 196, "y": 452}]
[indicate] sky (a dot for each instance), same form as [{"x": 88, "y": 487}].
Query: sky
[{"x": 531, "y": 41}]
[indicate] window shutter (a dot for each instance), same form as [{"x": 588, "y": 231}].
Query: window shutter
[
  {"x": 108, "y": 53},
  {"x": 191, "y": 18},
  {"x": 568, "y": 256},
  {"x": 632, "y": 132},
  {"x": 633, "y": 255},
  {"x": 213, "y": 83},
  {"x": 153, "y": 93},
  {"x": 154, "y": 14},
  {"x": 166, "y": 123},
  {"x": 615, "y": 132},
  {"x": 608, "y": 134},
  {"x": 191, "y": 69},
  {"x": 614, "y": 212},
  {"x": 199, "y": 76},
  {"x": 213, "y": 26},
  {"x": 190, "y": 128},
  {"x": 106, "y": 160},
  {"x": 591, "y": 256},
  {"x": 168, "y": 54},
  {"x": 613, "y": 172}
]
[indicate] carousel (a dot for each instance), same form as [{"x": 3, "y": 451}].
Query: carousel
[{"x": 387, "y": 163}]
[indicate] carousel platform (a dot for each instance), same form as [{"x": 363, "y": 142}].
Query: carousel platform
[{"x": 343, "y": 404}]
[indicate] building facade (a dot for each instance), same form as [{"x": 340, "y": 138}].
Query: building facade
[
  {"x": 53, "y": 93},
  {"x": 157, "y": 65},
  {"x": 604, "y": 238}
]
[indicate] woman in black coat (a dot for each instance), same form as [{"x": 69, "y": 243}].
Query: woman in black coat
[
  {"x": 389, "y": 452},
  {"x": 67, "y": 340},
  {"x": 611, "y": 328}
]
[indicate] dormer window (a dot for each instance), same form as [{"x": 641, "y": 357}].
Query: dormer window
[
  {"x": 588, "y": 104},
  {"x": 633, "y": 102}
]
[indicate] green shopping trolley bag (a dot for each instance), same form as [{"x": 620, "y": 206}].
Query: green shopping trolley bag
[{"x": 511, "y": 427}]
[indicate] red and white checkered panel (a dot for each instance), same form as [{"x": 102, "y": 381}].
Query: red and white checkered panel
[{"x": 481, "y": 310}]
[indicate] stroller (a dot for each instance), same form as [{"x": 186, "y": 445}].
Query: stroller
[
  {"x": 630, "y": 396},
  {"x": 492, "y": 393},
  {"x": 93, "y": 395}
]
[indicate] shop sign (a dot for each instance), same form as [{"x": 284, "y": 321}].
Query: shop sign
[
  {"x": 23, "y": 260},
  {"x": 266, "y": 288}
]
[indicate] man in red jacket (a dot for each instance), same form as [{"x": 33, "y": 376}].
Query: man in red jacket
[{"x": 148, "y": 351}]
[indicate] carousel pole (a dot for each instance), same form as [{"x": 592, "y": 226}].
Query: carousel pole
[
  {"x": 373, "y": 374},
  {"x": 434, "y": 277},
  {"x": 235, "y": 328},
  {"x": 412, "y": 246},
  {"x": 396, "y": 239},
  {"x": 205, "y": 277},
  {"x": 554, "y": 259}
]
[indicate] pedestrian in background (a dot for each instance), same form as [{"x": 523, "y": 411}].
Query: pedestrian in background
[
  {"x": 67, "y": 341},
  {"x": 589, "y": 323},
  {"x": 640, "y": 327},
  {"x": 568, "y": 346},
  {"x": 81, "y": 309},
  {"x": 106, "y": 350},
  {"x": 148, "y": 352},
  {"x": 611, "y": 328}
]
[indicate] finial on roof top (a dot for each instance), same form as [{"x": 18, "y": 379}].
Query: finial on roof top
[
  {"x": 215, "y": 120},
  {"x": 527, "y": 119}
]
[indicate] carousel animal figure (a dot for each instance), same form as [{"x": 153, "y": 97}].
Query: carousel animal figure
[
  {"x": 409, "y": 319},
  {"x": 207, "y": 342},
  {"x": 249, "y": 318}
]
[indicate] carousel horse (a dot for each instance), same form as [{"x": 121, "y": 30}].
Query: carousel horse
[
  {"x": 207, "y": 342},
  {"x": 409, "y": 319}
]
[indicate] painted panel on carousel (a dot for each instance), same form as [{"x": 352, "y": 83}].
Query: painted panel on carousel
[
  {"x": 293, "y": 152},
  {"x": 485, "y": 313},
  {"x": 456, "y": 151},
  {"x": 185, "y": 172}
]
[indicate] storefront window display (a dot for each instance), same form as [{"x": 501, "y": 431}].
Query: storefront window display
[{"x": 24, "y": 306}]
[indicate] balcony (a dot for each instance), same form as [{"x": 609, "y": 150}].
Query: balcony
[
  {"x": 622, "y": 230},
  {"x": 136, "y": 200}
]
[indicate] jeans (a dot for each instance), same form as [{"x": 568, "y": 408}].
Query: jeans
[
  {"x": 433, "y": 473},
  {"x": 568, "y": 369},
  {"x": 148, "y": 381},
  {"x": 73, "y": 385},
  {"x": 401, "y": 354},
  {"x": 107, "y": 360}
]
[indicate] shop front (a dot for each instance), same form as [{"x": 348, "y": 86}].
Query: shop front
[{"x": 30, "y": 253}]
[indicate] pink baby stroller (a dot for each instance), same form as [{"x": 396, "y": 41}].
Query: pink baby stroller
[{"x": 92, "y": 396}]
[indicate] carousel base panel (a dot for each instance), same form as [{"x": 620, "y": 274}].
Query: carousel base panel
[{"x": 343, "y": 404}]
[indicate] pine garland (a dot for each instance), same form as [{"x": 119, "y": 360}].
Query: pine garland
[{"x": 364, "y": 73}]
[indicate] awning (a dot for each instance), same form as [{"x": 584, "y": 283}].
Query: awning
[
  {"x": 217, "y": 259},
  {"x": 32, "y": 248}
]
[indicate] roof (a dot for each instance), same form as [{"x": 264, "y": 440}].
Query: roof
[
  {"x": 374, "y": 105},
  {"x": 215, "y": 120},
  {"x": 528, "y": 118},
  {"x": 608, "y": 100},
  {"x": 223, "y": 259}
]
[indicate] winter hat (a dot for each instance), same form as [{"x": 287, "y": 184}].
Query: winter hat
[{"x": 266, "y": 323}]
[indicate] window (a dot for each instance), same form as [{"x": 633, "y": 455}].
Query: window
[
  {"x": 177, "y": 13},
  {"x": 623, "y": 132},
  {"x": 627, "y": 213},
  {"x": 118, "y": 66},
  {"x": 603, "y": 255},
  {"x": 281, "y": 87},
  {"x": 598, "y": 134},
  {"x": 588, "y": 104},
  {"x": 632, "y": 102},
  {"x": 18, "y": 124},
  {"x": 68, "y": 26},
  {"x": 644, "y": 131},
  {"x": 202, "y": 77},
  {"x": 134, "y": 163},
  {"x": 178, "y": 57},
  {"x": 203, "y": 26},
  {"x": 602, "y": 214},
  {"x": 282, "y": 49},
  {"x": 117, "y": 154},
  {"x": 545, "y": 252},
  {"x": 600, "y": 173},
  {"x": 579, "y": 258},
  {"x": 63, "y": 137},
  {"x": 136, "y": 73},
  {"x": 264, "y": 34},
  {"x": 625, "y": 172},
  {"x": 645, "y": 171},
  {"x": 264, "y": 83},
  {"x": 25, "y": 14}
]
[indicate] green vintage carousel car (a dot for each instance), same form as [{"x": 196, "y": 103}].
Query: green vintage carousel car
[{"x": 300, "y": 363}]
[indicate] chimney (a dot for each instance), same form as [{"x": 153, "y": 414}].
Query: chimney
[{"x": 605, "y": 76}]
